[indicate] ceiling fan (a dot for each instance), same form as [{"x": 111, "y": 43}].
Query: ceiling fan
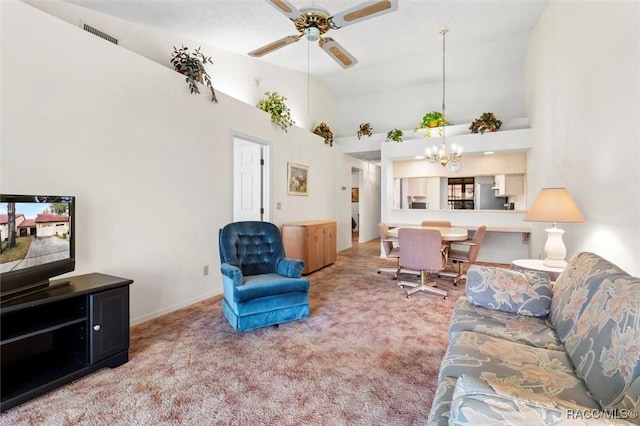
[{"x": 313, "y": 22}]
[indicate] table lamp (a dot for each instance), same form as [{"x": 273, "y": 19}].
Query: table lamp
[{"x": 554, "y": 205}]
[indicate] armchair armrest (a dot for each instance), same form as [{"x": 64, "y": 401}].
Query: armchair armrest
[
  {"x": 291, "y": 268},
  {"x": 465, "y": 243},
  {"x": 232, "y": 272}
]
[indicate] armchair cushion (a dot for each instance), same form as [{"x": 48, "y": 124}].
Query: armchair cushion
[
  {"x": 257, "y": 286},
  {"x": 517, "y": 292}
]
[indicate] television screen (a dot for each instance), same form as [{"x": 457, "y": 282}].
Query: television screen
[{"x": 36, "y": 240}]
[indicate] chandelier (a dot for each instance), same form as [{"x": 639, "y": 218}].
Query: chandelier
[{"x": 441, "y": 155}]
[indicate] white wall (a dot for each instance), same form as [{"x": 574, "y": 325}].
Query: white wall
[
  {"x": 582, "y": 87},
  {"x": 149, "y": 163},
  {"x": 470, "y": 90},
  {"x": 236, "y": 75}
]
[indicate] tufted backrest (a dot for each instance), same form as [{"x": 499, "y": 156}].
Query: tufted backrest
[{"x": 254, "y": 247}]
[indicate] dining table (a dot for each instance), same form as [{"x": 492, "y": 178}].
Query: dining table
[{"x": 449, "y": 234}]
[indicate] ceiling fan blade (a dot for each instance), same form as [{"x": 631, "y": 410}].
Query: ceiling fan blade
[
  {"x": 364, "y": 11},
  {"x": 274, "y": 46},
  {"x": 289, "y": 10},
  {"x": 337, "y": 52}
]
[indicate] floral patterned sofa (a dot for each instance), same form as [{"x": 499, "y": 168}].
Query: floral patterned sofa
[{"x": 524, "y": 351}]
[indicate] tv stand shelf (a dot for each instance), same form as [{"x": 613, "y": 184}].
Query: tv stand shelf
[{"x": 63, "y": 332}]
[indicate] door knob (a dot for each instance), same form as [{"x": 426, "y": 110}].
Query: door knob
[{"x": 96, "y": 327}]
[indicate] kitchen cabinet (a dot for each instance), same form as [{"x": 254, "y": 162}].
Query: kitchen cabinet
[
  {"x": 507, "y": 185},
  {"x": 312, "y": 241}
]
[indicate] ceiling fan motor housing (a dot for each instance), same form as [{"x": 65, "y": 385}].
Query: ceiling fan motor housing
[{"x": 312, "y": 34}]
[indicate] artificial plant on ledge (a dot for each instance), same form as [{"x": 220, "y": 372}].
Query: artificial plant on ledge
[
  {"x": 324, "y": 130},
  {"x": 192, "y": 66},
  {"x": 273, "y": 103},
  {"x": 365, "y": 130},
  {"x": 394, "y": 135},
  {"x": 487, "y": 122}
]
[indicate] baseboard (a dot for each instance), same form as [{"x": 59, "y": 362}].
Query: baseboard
[{"x": 172, "y": 308}]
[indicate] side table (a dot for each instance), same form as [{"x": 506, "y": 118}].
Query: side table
[{"x": 536, "y": 265}]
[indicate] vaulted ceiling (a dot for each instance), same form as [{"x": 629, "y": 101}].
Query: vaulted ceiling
[{"x": 393, "y": 50}]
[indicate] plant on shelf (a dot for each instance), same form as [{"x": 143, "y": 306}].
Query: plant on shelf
[
  {"x": 365, "y": 130},
  {"x": 273, "y": 103},
  {"x": 431, "y": 120},
  {"x": 487, "y": 122},
  {"x": 394, "y": 135},
  {"x": 324, "y": 130},
  {"x": 192, "y": 66}
]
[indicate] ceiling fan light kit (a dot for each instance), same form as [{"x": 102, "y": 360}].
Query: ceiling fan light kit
[{"x": 313, "y": 22}]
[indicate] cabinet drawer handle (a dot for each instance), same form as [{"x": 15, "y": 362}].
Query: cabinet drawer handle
[{"x": 96, "y": 327}]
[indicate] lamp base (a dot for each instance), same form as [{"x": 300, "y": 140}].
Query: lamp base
[
  {"x": 554, "y": 249},
  {"x": 551, "y": 263}
]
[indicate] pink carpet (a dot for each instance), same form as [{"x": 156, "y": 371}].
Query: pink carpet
[{"x": 366, "y": 356}]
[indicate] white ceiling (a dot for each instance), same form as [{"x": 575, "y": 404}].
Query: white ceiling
[{"x": 395, "y": 50}]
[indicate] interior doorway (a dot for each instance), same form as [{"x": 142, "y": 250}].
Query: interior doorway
[
  {"x": 356, "y": 175},
  {"x": 250, "y": 180}
]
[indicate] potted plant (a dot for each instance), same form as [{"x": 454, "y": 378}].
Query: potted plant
[
  {"x": 394, "y": 135},
  {"x": 273, "y": 103},
  {"x": 324, "y": 130},
  {"x": 192, "y": 66},
  {"x": 431, "y": 120},
  {"x": 487, "y": 122},
  {"x": 365, "y": 130}
]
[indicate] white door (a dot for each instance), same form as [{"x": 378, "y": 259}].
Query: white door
[{"x": 248, "y": 178}]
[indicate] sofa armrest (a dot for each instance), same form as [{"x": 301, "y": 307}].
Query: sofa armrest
[
  {"x": 291, "y": 268},
  {"x": 232, "y": 273},
  {"x": 517, "y": 292},
  {"x": 476, "y": 402}
]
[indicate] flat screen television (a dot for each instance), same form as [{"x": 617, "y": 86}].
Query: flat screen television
[{"x": 37, "y": 240}]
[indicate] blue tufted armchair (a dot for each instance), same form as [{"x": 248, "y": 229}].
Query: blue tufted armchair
[{"x": 261, "y": 287}]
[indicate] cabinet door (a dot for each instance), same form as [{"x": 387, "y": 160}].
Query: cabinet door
[
  {"x": 109, "y": 326},
  {"x": 330, "y": 247},
  {"x": 316, "y": 248}
]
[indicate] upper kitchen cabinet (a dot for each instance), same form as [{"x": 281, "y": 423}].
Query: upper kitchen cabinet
[{"x": 508, "y": 185}]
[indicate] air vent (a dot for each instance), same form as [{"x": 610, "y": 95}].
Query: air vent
[{"x": 99, "y": 33}]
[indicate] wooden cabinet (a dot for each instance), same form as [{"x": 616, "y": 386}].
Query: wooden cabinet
[
  {"x": 313, "y": 241},
  {"x": 506, "y": 185}
]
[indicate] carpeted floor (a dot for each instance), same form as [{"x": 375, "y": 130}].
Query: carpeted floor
[{"x": 366, "y": 356}]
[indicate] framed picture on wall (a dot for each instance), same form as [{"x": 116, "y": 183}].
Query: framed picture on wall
[
  {"x": 298, "y": 182},
  {"x": 354, "y": 195}
]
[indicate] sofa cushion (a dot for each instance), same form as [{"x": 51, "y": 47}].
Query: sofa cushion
[
  {"x": 575, "y": 286},
  {"x": 476, "y": 402},
  {"x": 605, "y": 343},
  {"x": 532, "y": 331},
  {"x": 517, "y": 292},
  {"x": 542, "y": 371}
]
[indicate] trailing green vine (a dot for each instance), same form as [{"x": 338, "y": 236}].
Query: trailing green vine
[{"x": 273, "y": 103}]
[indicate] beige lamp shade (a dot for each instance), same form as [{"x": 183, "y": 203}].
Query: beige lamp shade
[{"x": 554, "y": 205}]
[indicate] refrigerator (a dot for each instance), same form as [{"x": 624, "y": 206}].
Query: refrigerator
[{"x": 485, "y": 199}]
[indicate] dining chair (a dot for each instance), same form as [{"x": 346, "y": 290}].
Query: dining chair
[
  {"x": 390, "y": 247},
  {"x": 468, "y": 255},
  {"x": 392, "y": 251},
  {"x": 420, "y": 250},
  {"x": 441, "y": 223}
]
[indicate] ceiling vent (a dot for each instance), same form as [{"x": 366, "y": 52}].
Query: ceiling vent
[{"x": 99, "y": 33}]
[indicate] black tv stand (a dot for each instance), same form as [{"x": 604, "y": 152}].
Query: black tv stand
[
  {"x": 47, "y": 285},
  {"x": 54, "y": 335}
]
